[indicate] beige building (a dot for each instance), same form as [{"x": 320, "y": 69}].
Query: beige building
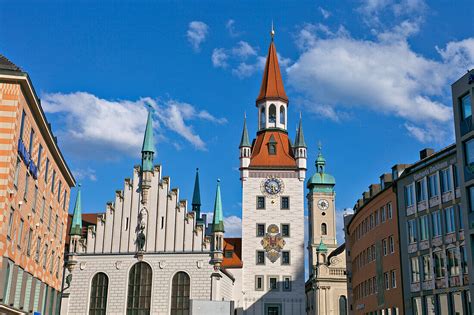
[
  {"x": 35, "y": 182},
  {"x": 326, "y": 288}
]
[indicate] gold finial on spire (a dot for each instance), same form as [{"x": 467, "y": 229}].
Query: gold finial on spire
[
  {"x": 320, "y": 146},
  {"x": 272, "y": 32}
]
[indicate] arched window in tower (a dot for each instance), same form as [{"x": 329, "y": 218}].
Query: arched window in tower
[
  {"x": 98, "y": 299},
  {"x": 180, "y": 294},
  {"x": 323, "y": 258},
  {"x": 342, "y": 305},
  {"x": 272, "y": 115},
  {"x": 262, "y": 117},
  {"x": 282, "y": 115},
  {"x": 139, "y": 289},
  {"x": 324, "y": 229}
]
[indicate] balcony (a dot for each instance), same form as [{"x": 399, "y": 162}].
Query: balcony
[
  {"x": 424, "y": 245},
  {"x": 450, "y": 238},
  {"x": 411, "y": 210},
  {"x": 454, "y": 281},
  {"x": 412, "y": 248},
  {"x": 441, "y": 283},
  {"x": 415, "y": 287},
  {"x": 447, "y": 196},
  {"x": 437, "y": 241},
  {"x": 434, "y": 201},
  {"x": 428, "y": 285},
  {"x": 422, "y": 205}
]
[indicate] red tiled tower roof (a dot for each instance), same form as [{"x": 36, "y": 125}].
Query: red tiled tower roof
[
  {"x": 284, "y": 154},
  {"x": 272, "y": 83}
]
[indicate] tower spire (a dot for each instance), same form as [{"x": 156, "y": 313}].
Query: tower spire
[
  {"x": 217, "y": 220},
  {"x": 76, "y": 224},
  {"x": 299, "y": 141},
  {"x": 196, "y": 204},
  {"x": 148, "y": 148},
  {"x": 244, "y": 141},
  {"x": 320, "y": 161}
]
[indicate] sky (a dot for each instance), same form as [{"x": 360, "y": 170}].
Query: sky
[{"x": 371, "y": 79}]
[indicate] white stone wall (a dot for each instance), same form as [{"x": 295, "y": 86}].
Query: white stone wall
[
  {"x": 293, "y": 302},
  {"x": 164, "y": 266}
]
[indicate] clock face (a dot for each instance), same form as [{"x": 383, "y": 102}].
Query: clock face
[
  {"x": 272, "y": 187},
  {"x": 323, "y": 204}
]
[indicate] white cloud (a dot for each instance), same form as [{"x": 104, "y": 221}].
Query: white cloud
[
  {"x": 85, "y": 174},
  {"x": 232, "y": 225},
  {"x": 381, "y": 75},
  {"x": 197, "y": 33},
  {"x": 219, "y": 58},
  {"x": 243, "y": 50},
  {"x": 325, "y": 13},
  {"x": 244, "y": 70},
  {"x": 230, "y": 26},
  {"x": 89, "y": 124}
]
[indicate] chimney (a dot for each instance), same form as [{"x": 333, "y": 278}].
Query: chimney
[{"x": 426, "y": 152}]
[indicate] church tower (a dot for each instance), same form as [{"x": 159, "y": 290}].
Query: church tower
[{"x": 272, "y": 172}]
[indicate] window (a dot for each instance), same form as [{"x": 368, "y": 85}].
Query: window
[
  {"x": 282, "y": 115},
  {"x": 45, "y": 257},
  {"x": 324, "y": 230},
  {"x": 371, "y": 221},
  {"x": 260, "y": 202},
  {"x": 259, "y": 283},
  {"x": 35, "y": 198},
  {"x": 383, "y": 215},
  {"x": 460, "y": 220},
  {"x": 55, "y": 225},
  {"x": 436, "y": 220},
  {"x": 286, "y": 283},
  {"x": 446, "y": 184},
  {"x": 27, "y": 182},
  {"x": 449, "y": 216},
  {"x": 343, "y": 305},
  {"x": 453, "y": 262},
  {"x": 456, "y": 176},
  {"x": 466, "y": 110},
  {"x": 22, "y": 123},
  {"x": 64, "y": 199},
  {"x": 430, "y": 305},
  {"x": 272, "y": 114},
  {"x": 38, "y": 249},
  {"x": 471, "y": 198},
  {"x": 49, "y": 219},
  {"x": 59, "y": 191},
  {"x": 43, "y": 207},
  {"x": 285, "y": 257},
  {"x": 17, "y": 173},
  {"x": 285, "y": 230},
  {"x": 391, "y": 244},
  {"x": 285, "y": 203},
  {"x": 40, "y": 151},
  {"x": 417, "y": 306},
  {"x": 463, "y": 251},
  {"x": 28, "y": 243},
  {"x": 180, "y": 294},
  {"x": 386, "y": 281},
  {"x": 10, "y": 223},
  {"x": 412, "y": 233},
  {"x": 433, "y": 185},
  {"x": 52, "y": 181},
  {"x": 415, "y": 270},
  {"x": 51, "y": 262},
  {"x": 438, "y": 259},
  {"x": 426, "y": 262},
  {"x": 139, "y": 289},
  {"x": 46, "y": 171},
  {"x": 260, "y": 230},
  {"x": 409, "y": 196},
  {"x": 98, "y": 300},
  {"x": 384, "y": 245},
  {"x": 273, "y": 283},
  {"x": 20, "y": 233},
  {"x": 457, "y": 303},
  {"x": 420, "y": 190},
  {"x": 424, "y": 228},
  {"x": 228, "y": 254},
  {"x": 376, "y": 217},
  {"x": 260, "y": 257},
  {"x": 393, "y": 278},
  {"x": 32, "y": 138},
  {"x": 389, "y": 210},
  {"x": 469, "y": 151}
]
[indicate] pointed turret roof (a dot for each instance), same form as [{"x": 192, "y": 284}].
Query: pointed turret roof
[
  {"x": 76, "y": 224},
  {"x": 218, "y": 219},
  {"x": 299, "y": 141},
  {"x": 272, "y": 83},
  {"x": 148, "y": 143},
  {"x": 244, "y": 141},
  {"x": 322, "y": 247},
  {"x": 197, "y": 192}
]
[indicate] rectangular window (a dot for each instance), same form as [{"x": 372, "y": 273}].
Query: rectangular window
[
  {"x": 51, "y": 265},
  {"x": 424, "y": 228},
  {"x": 55, "y": 225},
  {"x": 228, "y": 254},
  {"x": 384, "y": 245},
  {"x": 433, "y": 185},
  {"x": 35, "y": 199},
  {"x": 393, "y": 278},
  {"x": 391, "y": 244},
  {"x": 260, "y": 257},
  {"x": 59, "y": 191},
  {"x": 22, "y": 124},
  {"x": 285, "y": 257},
  {"x": 386, "y": 281},
  {"x": 415, "y": 270},
  {"x": 466, "y": 110},
  {"x": 28, "y": 243},
  {"x": 61, "y": 233},
  {"x": 273, "y": 283},
  {"x": 46, "y": 171},
  {"x": 456, "y": 176},
  {"x": 450, "y": 223},
  {"x": 446, "y": 183},
  {"x": 389, "y": 210},
  {"x": 17, "y": 173},
  {"x": 43, "y": 206},
  {"x": 438, "y": 260},
  {"x": 426, "y": 261},
  {"x": 285, "y": 203},
  {"x": 10, "y": 224},
  {"x": 260, "y": 202},
  {"x": 50, "y": 216},
  {"x": 453, "y": 262},
  {"x": 382, "y": 214},
  {"x": 409, "y": 196},
  {"x": 420, "y": 190},
  {"x": 27, "y": 182},
  {"x": 64, "y": 199},
  {"x": 286, "y": 283},
  {"x": 45, "y": 257},
  {"x": 376, "y": 217},
  {"x": 52, "y": 181},
  {"x": 417, "y": 310},
  {"x": 259, "y": 283},
  {"x": 430, "y": 305},
  {"x": 471, "y": 198},
  {"x": 460, "y": 219},
  {"x": 436, "y": 220},
  {"x": 38, "y": 249},
  {"x": 40, "y": 151},
  {"x": 412, "y": 231},
  {"x": 371, "y": 221},
  {"x": 32, "y": 139},
  {"x": 285, "y": 230},
  {"x": 20, "y": 233},
  {"x": 260, "y": 230},
  {"x": 463, "y": 251}
]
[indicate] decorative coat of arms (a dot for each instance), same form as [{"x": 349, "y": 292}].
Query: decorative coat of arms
[{"x": 273, "y": 242}]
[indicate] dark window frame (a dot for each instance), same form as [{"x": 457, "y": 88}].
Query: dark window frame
[
  {"x": 98, "y": 294},
  {"x": 180, "y": 293},
  {"x": 140, "y": 280},
  {"x": 258, "y": 204},
  {"x": 285, "y": 234},
  {"x": 257, "y": 229},
  {"x": 260, "y": 252},
  {"x": 282, "y": 203}
]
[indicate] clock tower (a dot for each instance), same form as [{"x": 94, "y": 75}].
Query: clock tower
[{"x": 272, "y": 172}]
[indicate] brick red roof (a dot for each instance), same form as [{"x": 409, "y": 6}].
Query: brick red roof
[
  {"x": 284, "y": 153},
  {"x": 272, "y": 83},
  {"x": 235, "y": 245}
]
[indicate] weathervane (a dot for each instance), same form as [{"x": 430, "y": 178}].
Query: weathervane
[{"x": 272, "y": 32}]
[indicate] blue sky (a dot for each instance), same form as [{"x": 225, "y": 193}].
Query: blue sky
[{"x": 371, "y": 78}]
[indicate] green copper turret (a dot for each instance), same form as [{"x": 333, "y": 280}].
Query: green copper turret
[
  {"x": 148, "y": 148},
  {"x": 218, "y": 219},
  {"x": 76, "y": 224}
]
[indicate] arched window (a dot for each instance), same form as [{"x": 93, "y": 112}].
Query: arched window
[
  {"x": 282, "y": 115},
  {"x": 324, "y": 229},
  {"x": 98, "y": 300},
  {"x": 323, "y": 258},
  {"x": 139, "y": 289},
  {"x": 342, "y": 305},
  {"x": 180, "y": 294},
  {"x": 262, "y": 117},
  {"x": 272, "y": 114}
]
